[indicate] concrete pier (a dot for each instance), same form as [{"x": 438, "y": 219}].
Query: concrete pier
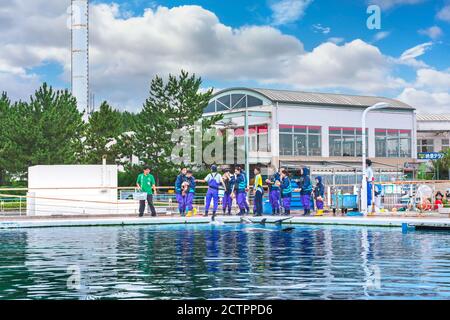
[{"x": 27, "y": 222}]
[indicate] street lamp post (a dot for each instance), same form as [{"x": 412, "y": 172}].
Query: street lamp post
[
  {"x": 379, "y": 105},
  {"x": 246, "y": 146}
]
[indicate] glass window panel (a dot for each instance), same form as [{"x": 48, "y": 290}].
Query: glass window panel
[
  {"x": 445, "y": 144},
  {"x": 314, "y": 148},
  {"x": 220, "y": 107},
  {"x": 335, "y": 131},
  {"x": 238, "y": 101},
  {"x": 286, "y": 144},
  {"x": 285, "y": 128},
  {"x": 348, "y": 131},
  {"x": 359, "y": 145},
  {"x": 211, "y": 107},
  {"x": 316, "y": 130},
  {"x": 335, "y": 146},
  {"x": 405, "y": 133},
  {"x": 300, "y": 129},
  {"x": 300, "y": 148},
  {"x": 253, "y": 101},
  {"x": 263, "y": 141},
  {"x": 348, "y": 146},
  {"x": 392, "y": 144},
  {"x": 225, "y": 100},
  {"x": 405, "y": 147}
]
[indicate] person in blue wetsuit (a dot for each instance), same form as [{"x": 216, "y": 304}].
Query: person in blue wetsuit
[
  {"x": 286, "y": 191},
  {"x": 227, "y": 199},
  {"x": 180, "y": 196},
  {"x": 190, "y": 192},
  {"x": 305, "y": 190},
  {"x": 240, "y": 186},
  {"x": 319, "y": 194},
  {"x": 274, "y": 192},
  {"x": 214, "y": 181}
]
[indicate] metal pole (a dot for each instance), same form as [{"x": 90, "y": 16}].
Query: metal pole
[
  {"x": 363, "y": 194},
  {"x": 247, "y": 164},
  {"x": 379, "y": 105}
]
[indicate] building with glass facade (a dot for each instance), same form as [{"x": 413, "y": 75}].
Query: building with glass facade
[
  {"x": 321, "y": 130},
  {"x": 433, "y": 132}
]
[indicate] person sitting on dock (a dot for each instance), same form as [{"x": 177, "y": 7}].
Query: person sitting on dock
[
  {"x": 146, "y": 183},
  {"x": 178, "y": 191},
  {"x": 286, "y": 191}
]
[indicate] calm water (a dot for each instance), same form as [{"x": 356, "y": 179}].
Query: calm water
[{"x": 232, "y": 261}]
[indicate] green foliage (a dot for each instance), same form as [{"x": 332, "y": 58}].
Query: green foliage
[
  {"x": 102, "y": 132},
  {"x": 47, "y": 130},
  {"x": 5, "y": 105},
  {"x": 175, "y": 104},
  {"x": 442, "y": 166}
]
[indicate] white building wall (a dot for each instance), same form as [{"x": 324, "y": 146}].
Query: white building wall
[
  {"x": 74, "y": 190},
  {"x": 346, "y": 117}
]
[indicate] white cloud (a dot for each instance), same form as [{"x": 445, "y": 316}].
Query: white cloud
[
  {"x": 425, "y": 101},
  {"x": 433, "y": 32},
  {"x": 319, "y": 28},
  {"x": 430, "y": 92},
  {"x": 387, "y": 4},
  {"x": 416, "y": 51},
  {"x": 433, "y": 79},
  {"x": 336, "y": 40},
  {"x": 444, "y": 13},
  {"x": 126, "y": 52},
  {"x": 381, "y": 35},
  {"x": 288, "y": 11},
  {"x": 356, "y": 65}
]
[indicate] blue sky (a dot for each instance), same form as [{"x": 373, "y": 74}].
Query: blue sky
[{"x": 312, "y": 45}]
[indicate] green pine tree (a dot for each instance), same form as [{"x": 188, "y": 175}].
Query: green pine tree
[
  {"x": 45, "y": 131},
  {"x": 5, "y": 105},
  {"x": 175, "y": 104},
  {"x": 102, "y": 131}
]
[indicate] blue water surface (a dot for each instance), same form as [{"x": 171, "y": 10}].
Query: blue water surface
[{"x": 223, "y": 262}]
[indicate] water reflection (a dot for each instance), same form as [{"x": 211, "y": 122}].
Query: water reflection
[{"x": 206, "y": 261}]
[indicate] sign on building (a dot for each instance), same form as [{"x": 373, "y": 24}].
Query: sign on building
[{"x": 430, "y": 155}]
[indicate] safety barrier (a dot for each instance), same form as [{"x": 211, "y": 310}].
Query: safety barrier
[{"x": 389, "y": 197}]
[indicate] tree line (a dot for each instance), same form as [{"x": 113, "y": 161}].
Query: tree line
[{"x": 49, "y": 129}]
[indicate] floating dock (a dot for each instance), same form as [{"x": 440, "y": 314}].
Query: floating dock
[{"x": 399, "y": 222}]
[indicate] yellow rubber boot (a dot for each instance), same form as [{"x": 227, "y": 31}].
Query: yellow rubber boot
[
  {"x": 189, "y": 214},
  {"x": 319, "y": 213}
]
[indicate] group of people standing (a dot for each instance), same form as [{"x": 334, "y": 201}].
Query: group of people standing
[
  {"x": 280, "y": 191},
  {"x": 235, "y": 186}
]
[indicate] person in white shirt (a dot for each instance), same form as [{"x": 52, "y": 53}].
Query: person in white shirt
[{"x": 369, "y": 177}]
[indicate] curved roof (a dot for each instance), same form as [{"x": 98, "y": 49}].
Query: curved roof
[{"x": 316, "y": 98}]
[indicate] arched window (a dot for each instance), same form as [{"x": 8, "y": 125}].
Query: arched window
[{"x": 233, "y": 101}]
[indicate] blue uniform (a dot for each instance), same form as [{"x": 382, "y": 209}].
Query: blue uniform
[
  {"x": 274, "y": 193},
  {"x": 181, "y": 198},
  {"x": 191, "y": 193}
]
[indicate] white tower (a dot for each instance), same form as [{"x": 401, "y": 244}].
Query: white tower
[{"x": 80, "y": 54}]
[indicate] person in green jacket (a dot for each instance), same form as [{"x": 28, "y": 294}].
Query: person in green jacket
[{"x": 146, "y": 183}]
